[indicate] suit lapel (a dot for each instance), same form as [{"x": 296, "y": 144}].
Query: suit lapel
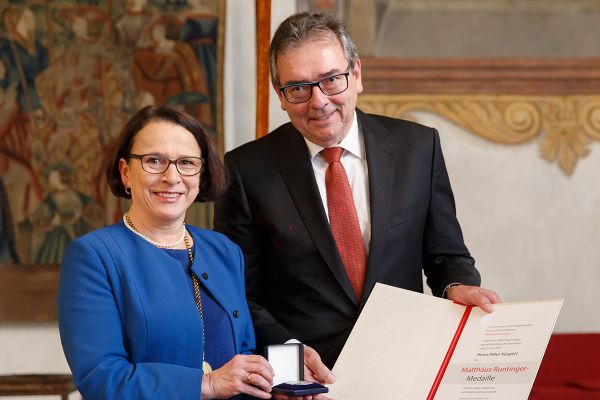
[
  {"x": 296, "y": 170},
  {"x": 380, "y": 161}
]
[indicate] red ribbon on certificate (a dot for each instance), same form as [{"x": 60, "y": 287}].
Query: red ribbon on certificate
[{"x": 442, "y": 371}]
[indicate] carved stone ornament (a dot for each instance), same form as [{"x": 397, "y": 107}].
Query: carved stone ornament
[{"x": 564, "y": 125}]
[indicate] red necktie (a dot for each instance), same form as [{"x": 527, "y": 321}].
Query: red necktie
[{"x": 344, "y": 220}]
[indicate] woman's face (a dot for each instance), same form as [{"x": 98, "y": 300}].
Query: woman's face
[{"x": 161, "y": 198}]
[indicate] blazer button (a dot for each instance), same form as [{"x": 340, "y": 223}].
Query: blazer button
[
  {"x": 205, "y": 275},
  {"x": 236, "y": 314}
]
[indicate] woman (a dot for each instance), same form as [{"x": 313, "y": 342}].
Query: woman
[{"x": 152, "y": 308}]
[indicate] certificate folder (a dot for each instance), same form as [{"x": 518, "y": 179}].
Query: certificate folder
[{"x": 408, "y": 345}]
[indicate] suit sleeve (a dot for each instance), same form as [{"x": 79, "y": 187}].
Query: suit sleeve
[
  {"x": 446, "y": 258},
  {"x": 234, "y": 218},
  {"x": 92, "y": 337}
]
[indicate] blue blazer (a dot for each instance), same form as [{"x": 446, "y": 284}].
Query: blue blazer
[{"x": 128, "y": 324}]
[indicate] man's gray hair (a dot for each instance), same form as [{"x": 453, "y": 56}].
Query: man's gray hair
[{"x": 301, "y": 27}]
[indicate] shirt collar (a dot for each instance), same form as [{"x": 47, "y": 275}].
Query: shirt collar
[{"x": 351, "y": 143}]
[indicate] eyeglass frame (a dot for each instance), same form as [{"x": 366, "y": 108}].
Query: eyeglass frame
[
  {"x": 282, "y": 89},
  {"x": 174, "y": 162}
]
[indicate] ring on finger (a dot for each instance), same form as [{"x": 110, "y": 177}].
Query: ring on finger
[{"x": 248, "y": 378}]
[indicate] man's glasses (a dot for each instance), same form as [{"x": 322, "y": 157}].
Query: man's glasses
[
  {"x": 158, "y": 164},
  {"x": 330, "y": 86}
]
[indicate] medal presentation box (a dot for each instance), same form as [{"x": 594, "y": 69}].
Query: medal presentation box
[
  {"x": 287, "y": 361},
  {"x": 411, "y": 346}
]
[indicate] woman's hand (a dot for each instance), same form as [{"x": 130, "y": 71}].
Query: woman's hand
[{"x": 251, "y": 375}]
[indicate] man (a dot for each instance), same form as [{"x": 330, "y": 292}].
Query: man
[{"x": 312, "y": 258}]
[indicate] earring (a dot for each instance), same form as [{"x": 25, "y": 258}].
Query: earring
[{"x": 128, "y": 190}]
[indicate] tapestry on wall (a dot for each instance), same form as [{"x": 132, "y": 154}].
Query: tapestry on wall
[{"x": 71, "y": 74}]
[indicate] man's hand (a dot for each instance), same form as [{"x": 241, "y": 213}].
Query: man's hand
[
  {"x": 314, "y": 370},
  {"x": 474, "y": 296}
]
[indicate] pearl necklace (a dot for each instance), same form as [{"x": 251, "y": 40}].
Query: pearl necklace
[{"x": 129, "y": 224}]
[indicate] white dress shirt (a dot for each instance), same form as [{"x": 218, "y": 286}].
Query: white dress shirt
[{"x": 354, "y": 161}]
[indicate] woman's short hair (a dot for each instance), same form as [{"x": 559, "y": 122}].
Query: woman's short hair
[{"x": 213, "y": 176}]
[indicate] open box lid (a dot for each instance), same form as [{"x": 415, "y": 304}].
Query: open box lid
[{"x": 287, "y": 361}]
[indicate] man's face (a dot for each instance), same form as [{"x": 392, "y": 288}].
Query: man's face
[{"x": 324, "y": 120}]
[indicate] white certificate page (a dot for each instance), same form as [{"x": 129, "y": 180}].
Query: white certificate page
[{"x": 498, "y": 354}]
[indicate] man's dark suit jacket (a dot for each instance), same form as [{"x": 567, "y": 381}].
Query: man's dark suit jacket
[{"x": 295, "y": 280}]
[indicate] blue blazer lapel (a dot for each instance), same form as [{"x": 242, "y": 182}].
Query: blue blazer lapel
[
  {"x": 296, "y": 170},
  {"x": 380, "y": 160}
]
